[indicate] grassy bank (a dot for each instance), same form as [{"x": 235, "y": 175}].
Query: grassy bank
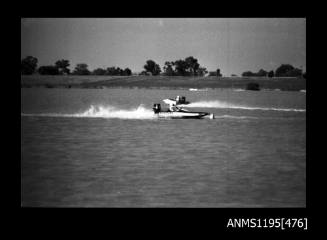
[{"x": 286, "y": 84}]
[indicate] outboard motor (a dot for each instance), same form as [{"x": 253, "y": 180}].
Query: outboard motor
[
  {"x": 178, "y": 99},
  {"x": 156, "y": 108}
]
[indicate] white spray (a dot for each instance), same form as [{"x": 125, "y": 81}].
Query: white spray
[
  {"x": 105, "y": 112},
  {"x": 221, "y": 104}
]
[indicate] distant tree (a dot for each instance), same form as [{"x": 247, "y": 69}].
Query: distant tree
[
  {"x": 296, "y": 72},
  {"x": 168, "y": 69},
  {"x": 127, "y": 72},
  {"x": 120, "y": 71},
  {"x": 233, "y": 75},
  {"x": 271, "y": 74},
  {"x": 212, "y": 73},
  {"x": 192, "y": 65},
  {"x": 99, "y": 71},
  {"x": 28, "y": 65},
  {"x": 152, "y": 67},
  {"x": 81, "y": 69},
  {"x": 202, "y": 71},
  {"x": 111, "y": 71},
  {"x": 283, "y": 69},
  {"x": 261, "y": 73},
  {"x": 181, "y": 68},
  {"x": 62, "y": 66},
  {"x": 187, "y": 67},
  {"x": 48, "y": 70},
  {"x": 144, "y": 73},
  {"x": 248, "y": 74},
  {"x": 287, "y": 70}
]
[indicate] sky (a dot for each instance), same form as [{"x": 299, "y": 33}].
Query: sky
[{"x": 233, "y": 45}]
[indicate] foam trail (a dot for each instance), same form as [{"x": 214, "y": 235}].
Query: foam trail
[
  {"x": 198, "y": 90},
  {"x": 220, "y": 104},
  {"x": 235, "y": 117},
  {"x": 104, "y": 112}
]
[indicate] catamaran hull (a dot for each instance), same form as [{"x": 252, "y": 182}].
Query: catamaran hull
[{"x": 181, "y": 115}]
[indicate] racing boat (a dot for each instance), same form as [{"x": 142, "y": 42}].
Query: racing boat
[{"x": 175, "y": 112}]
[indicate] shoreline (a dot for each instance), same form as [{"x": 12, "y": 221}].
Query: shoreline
[
  {"x": 165, "y": 88},
  {"x": 161, "y": 82}
]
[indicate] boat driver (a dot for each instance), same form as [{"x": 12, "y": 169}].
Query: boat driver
[{"x": 174, "y": 108}]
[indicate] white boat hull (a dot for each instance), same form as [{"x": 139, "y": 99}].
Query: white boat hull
[
  {"x": 176, "y": 115},
  {"x": 174, "y": 102}
]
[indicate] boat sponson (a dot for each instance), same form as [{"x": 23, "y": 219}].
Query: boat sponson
[{"x": 181, "y": 114}]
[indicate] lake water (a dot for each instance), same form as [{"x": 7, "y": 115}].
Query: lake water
[{"x": 105, "y": 148}]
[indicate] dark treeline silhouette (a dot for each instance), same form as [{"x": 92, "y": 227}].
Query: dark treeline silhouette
[
  {"x": 113, "y": 71},
  {"x": 62, "y": 66},
  {"x": 151, "y": 67},
  {"x": 260, "y": 73},
  {"x": 271, "y": 74},
  {"x": 48, "y": 70},
  {"x": 81, "y": 69},
  {"x": 287, "y": 70},
  {"x": 284, "y": 70},
  {"x": 110, "y": 71},
  {"x": 29, "y": 66},
  {"x": 187, "y": 67}
]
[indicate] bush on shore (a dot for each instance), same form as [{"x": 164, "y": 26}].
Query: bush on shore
[
  {"x": 28, "y": 65},
  {"x": 48, "y": 70},
  {"x": 252, "y": 86}
]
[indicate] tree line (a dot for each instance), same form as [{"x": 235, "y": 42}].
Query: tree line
[
  {"x": 189, "y": 66},
  {"x": 284, "y": 70},
  {"x": 182, "y": 67},
  {"x": 29, "y": 66}
]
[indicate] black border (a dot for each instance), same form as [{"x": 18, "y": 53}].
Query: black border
[{"x": 188, "y": 220}]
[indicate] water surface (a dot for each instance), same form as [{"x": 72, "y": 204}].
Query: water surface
[{"x": 104, "y": 148}]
